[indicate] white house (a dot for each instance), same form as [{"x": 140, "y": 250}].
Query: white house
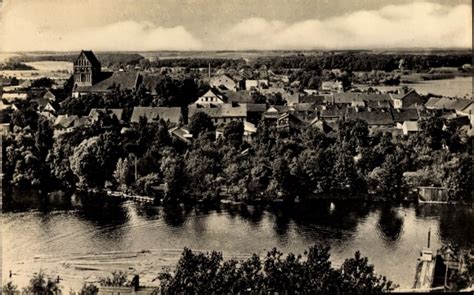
[{"x": 211, "y": 96}]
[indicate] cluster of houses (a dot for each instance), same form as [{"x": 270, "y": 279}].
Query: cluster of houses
[{"x": 231, "y": 98}]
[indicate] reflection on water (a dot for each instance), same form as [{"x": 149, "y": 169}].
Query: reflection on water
[{"x": 391, "y": 236}]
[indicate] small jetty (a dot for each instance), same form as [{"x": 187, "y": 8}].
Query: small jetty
[
  {"x": 434, "y": 270},
  {"x": 136, "y": 198}
]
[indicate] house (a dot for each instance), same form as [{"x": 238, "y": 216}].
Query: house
[
  {"x": 256, "y": 84},
  {"x": 321, "y": 125},
  {"x": 69, "y": 123},
  {"x": 155, "y": 114},
  {"x": 347, "y": 98},
  {"x": 406, "y": 98},
  {"x": 213, "y": 96},
  {"x": 332, "y": 86},
  {"x": 401, "y": 115},
  {"x": 462, "y": 104},
  {"x": 110, "y": 82},
  {"x": 289, "y": 122},
  {"x": 48, "y": 95},
  {"x": 241, "y": 96},
  {"x": 224, "y": 82},
  {"x": 432, "y": 102},
  {"x": 249, "y": 131},
  {"x": 255, "y": 112},
  {"x": 332, "y": 113},
  {"x": 13, "y": 96},
  {"x": 305, "y": 111},
  {"x": 409, "y": 127},
  {"x": 274, "y": 112},
  {"x": 181, "y": 133},
  {"x": 221, "y": 113},
  {"x": 469, "y": 111},
  {"x": 112, "y": 113},
  {"x": 375, "y": 118},
  {"x": 313, "y": 99},
  {"x": 44, "y": 105},
  {"x": 310, "y": 91}
]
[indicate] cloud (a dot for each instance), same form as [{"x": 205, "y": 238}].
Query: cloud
[
  {"x": 125, "y": 35},
  {"x": 420, "y": 24}
]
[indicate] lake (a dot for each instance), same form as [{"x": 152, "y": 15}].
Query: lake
[
  {"x": 83, "y": 237},
  {"x": 456, "y": 87}
]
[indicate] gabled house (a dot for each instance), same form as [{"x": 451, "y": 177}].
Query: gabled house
[
  {"x": 332, "y": 113},
  {"x": 48, "y": 95},
  {"x": 321, "y": 125},
  {"x": 111, "y": 113},
  {"x": 68, "y": 123},
  {"x": 87, "y": 69},
  {"x": 289, "y": 122},
  {"x": 155, "y": 114},
  {"x": 406, "y": 98},
  {"x": 256, "y": 84},
  {"x": 221, "y": 112},
  {"x": 14, "y": 96},
  {"x": 181, "y": 133},
  {"x": 255, "y": 112},
  {"x": 213, "y": 96},
  {"x": 225, "y": 82},
  {"x": 409, "y": 127},
  {"x": 110, "y": 82},
  {"x": 274, "y": 112},
  {"x": 332, "y": 87}
]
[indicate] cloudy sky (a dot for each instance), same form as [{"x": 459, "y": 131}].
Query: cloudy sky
[{"x": 29, "y": 25}]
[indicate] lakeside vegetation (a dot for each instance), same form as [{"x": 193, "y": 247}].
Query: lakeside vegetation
[
  {"x": 205, "y": 273},
  {"x": 276, "y": 165}
]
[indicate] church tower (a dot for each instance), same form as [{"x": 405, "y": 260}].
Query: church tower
[{"x": 86, "y": 69}]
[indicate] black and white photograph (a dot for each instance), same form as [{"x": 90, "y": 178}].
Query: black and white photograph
[{"x": 236, "y": 147}]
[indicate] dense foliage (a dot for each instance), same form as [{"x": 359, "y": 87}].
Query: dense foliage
[
  {"x": 359, "y": 61},
  {"x": 206, "y": 273},
  {"x": 275, "y": 165}
]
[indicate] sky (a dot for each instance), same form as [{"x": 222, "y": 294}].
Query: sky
[{"x": 142, "y": 25}]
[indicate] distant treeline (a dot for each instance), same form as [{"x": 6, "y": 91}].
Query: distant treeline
[
  {"x": 364, "y": 61},
  {"x": 199, "y": 62},
  {"x": 15, "y": 66},
  {"x": 105, "y": 58}
]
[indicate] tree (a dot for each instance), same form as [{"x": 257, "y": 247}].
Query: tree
[
  {"x": 358, "y": 276},
  {"x": 118, "y": 279},
  {"x": 122, "y": 173},
  {"x": 94, "y": 160},
  {"x": 233, "y": 133},
  {"x": 89, "y": 289},
  {"x": 9, "y": 288},
  {"x": 204, "y": 273},
  {"x": 172, "y": 167},
  {"x": 200, "y": 122},
  {"x": 40, "y": 285},
  {"x": 459, "y": 182}
]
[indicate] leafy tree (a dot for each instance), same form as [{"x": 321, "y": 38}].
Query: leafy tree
[
  {"x": 122, "y": 173},
  {"x": 39, "y": 284},
  {"x": 233, "y": 133},
  {"x": 9, "y": 289},
  {"x": 118, "y": 279},
  {"x": 200, "y": 122},
  {"x": 89, "y": 289},
  {"x": 172, "y": 167},
  {"x": 358, "y": 276}
]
